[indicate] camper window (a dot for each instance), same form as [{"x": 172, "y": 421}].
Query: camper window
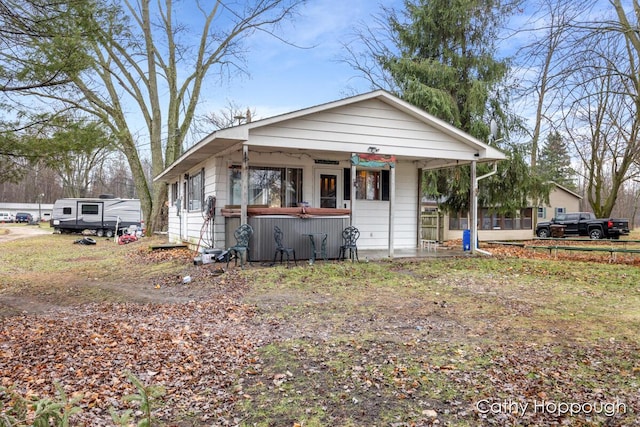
[
  {"x": 90, "y": 209},
  {"x": 66, "y": 211}
]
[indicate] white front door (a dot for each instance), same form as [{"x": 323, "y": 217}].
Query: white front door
[{"x": 328, "y": 188}]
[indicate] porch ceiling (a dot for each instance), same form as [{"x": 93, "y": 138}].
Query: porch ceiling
[
  {"x": 198, "y": 154},
  {"x": 222, "y": 146},
  {"x": 423, "y": 158}
]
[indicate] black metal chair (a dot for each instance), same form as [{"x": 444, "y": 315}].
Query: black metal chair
[
  {"x": 281, "y": 248},
  {"x": 350, "y": 236},
  {"x": 240, "y": 250}
]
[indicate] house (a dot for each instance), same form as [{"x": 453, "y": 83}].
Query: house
[
  {"x": 494, "y": 226},
  {"x": 37, "y": 210},
  {"x": 355, "y": 161},
  {"x": 561, "y": 200}
]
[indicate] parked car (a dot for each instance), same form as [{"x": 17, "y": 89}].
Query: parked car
[
  {"x": 24, "y": 217},
  {"x": 585, "y": 224},
  {"x": 6, "y": 217}
]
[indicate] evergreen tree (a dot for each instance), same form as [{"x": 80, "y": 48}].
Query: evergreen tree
[
  {"x": 445, "y": 62},
  {"x": 555, "y": 162}
]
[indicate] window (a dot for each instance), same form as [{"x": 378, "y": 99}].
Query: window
[
  {"x": 196, "y": 191},
  {"x": 367, "y": 185},
  {"x": 370, "y": 184},
  {"x": 66, "y": 211},
  {"x": 268, "y": 186},
  {"x": 90, "y": 210},
  {"x": 174, "y": 193},
  {"x": 488, "y": 220},
  {"x": 542, "y": 212},
  {"x": 560, "y": 211},
  {"x": 572, "y": 217},
  {"x": 458, "y": 221}
]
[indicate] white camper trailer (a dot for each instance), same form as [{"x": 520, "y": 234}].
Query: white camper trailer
[{"x": 104, "y": 216}]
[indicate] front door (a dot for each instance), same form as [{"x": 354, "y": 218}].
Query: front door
[{"x": 329, "y": 183}]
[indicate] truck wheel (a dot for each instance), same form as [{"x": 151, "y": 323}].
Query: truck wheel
[
  {"x": 99, "y": 233},
  {"x": 595, "y": 233},
  {"x": 543, "y": 233},
  {"x": 109, "y": 233}
]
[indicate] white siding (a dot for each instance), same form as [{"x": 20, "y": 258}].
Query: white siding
[
  {"x": 331, "y": 134},
  {"x": 372, "y": 217},
  {"x": 370, "y": 123}
]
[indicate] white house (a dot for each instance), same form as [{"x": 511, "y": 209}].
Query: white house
[{"x": 301, "y": 171}]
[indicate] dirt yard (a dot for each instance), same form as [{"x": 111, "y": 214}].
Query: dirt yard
[{"x": 453, "y": 342}]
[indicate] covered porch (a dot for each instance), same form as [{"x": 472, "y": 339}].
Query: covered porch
[{"x": 357, "y": 161}]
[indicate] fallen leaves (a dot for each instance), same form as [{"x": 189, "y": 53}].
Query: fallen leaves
[
  {"x": 512, "y": 251},
  {"x": 194, "y": 350}
]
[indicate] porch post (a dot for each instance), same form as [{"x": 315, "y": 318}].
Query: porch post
[
  {"x": 353, "y": 189},
  {"x": 392, "y": 200},
  {"x": 245, "y": 185},
  {"x": 474, "y": 208}
]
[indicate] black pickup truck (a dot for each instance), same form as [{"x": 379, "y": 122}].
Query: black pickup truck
[{"x": 585, "y": 224}]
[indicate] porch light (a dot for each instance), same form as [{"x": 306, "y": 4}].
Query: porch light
[{"x": 373, "y": 150}]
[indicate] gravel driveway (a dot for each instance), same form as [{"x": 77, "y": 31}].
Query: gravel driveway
[{"x": 10, "y": 232}]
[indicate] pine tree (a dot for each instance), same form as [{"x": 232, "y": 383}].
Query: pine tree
[
  {"x": 555, "y": 162},
  {"x": 445, "y": 62}
]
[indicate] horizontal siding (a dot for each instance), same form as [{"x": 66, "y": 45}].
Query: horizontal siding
[
  {"x": 372, "y": 217},
  {"x": 372, "y": 122}
]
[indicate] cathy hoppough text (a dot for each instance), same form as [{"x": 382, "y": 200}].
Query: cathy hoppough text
[{"x": 520, "y": 408}]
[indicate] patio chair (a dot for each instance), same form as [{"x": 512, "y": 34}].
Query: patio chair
[
  {"x": 240, "y": 250},
  {"x": 350, "y": 236},
  {"x": 281, "y": 248}
]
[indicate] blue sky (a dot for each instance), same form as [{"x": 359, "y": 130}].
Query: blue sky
[{"x": 284, "y": 78}]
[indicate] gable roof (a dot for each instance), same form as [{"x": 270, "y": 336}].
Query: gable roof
[
  {"x": 573, "y": 193},
  {"x": 349, "y": 125}
]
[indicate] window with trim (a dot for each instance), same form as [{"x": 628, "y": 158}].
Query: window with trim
[
  {"x": 196, "y": 191},
  {"x": 542, "y": 212},
  {"x": 174, "y": 193},
  {"x": 370, "y": 184},
  {"x": 560, "y": 211},
  {"x": 268, "y": 186}
]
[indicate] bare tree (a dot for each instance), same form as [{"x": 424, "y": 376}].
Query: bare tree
[
  {"x": 150, "y": 64},
  {"x": 601, "y": 118},
  {"x": 232, "y": 114},
  {"x": 538, "y": 67},
  {"x": 585, "y": 83}
]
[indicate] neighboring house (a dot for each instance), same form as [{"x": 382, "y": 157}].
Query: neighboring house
[
  {"x": 302, "y": 170},
  {"x": 493, "y": 226},
  {"x": 36, "y": 210},
  {"x": 561, "y": 200}
]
